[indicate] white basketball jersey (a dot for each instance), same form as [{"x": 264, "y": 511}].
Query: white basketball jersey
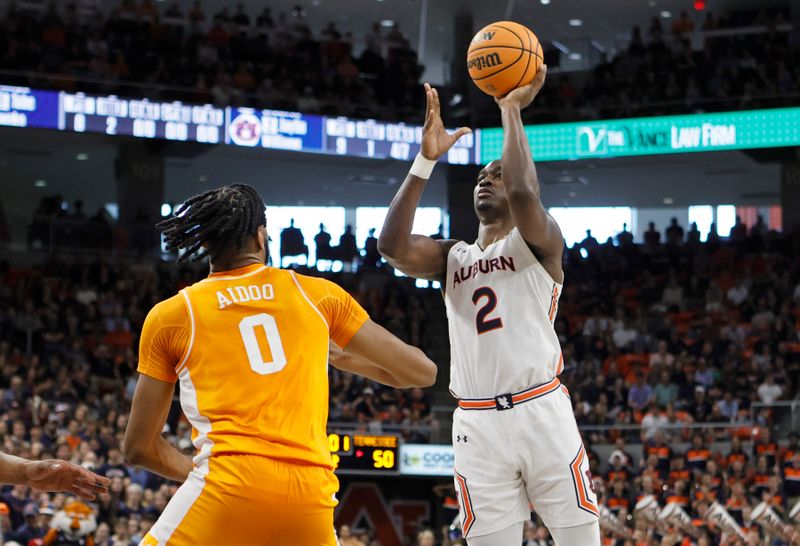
[{"x": 501, "y": 304}]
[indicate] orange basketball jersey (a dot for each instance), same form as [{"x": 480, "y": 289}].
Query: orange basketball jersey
[{"x": 250, "y": 350}]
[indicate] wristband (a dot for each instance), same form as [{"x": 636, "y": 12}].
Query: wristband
[{"x": 422, "y": 167}]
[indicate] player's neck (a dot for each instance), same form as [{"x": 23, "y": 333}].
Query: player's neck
[
  {"x": 243, "y": 260},
  {"x": 492, "y": 230}
]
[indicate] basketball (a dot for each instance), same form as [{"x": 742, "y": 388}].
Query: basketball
[{"x": 503, "y": 56}]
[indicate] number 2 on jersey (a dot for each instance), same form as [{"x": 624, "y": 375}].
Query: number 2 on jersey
[
  {"x": 250, "y": 328},
  {"x": 482, "y": 322}
]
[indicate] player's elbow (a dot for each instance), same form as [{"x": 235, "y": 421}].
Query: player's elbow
[
  {"x": 423, "y": 372},
  {"x": 133, "y": 450},
  {"x": 388, "y": 248},
  {"x": 429, "y": 376}
]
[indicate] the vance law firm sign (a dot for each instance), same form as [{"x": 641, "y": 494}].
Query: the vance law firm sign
[{"x": 658, "y": 135}]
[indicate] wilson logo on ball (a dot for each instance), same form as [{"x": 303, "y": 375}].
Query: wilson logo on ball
[
  {"x": 484, "y": 61},
  {"x": 483, "y": 37}
]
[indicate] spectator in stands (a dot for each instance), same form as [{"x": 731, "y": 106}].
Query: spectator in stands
[
  {"x": 700, "y": 408},
  {"x": 738, "y": 232},
  {"x": 426, "y": 538},
  {"x": 372, "y": 258},
  {"x": 324, "y": 251},
  {"x": 652, "y": 237},
  {"x": 589, "y": 243},
  {"x": 293, "y": 243},
  {"x": 737, "y": 294},
  {"x": 674, "y": 232},
  {"x": 768, "y": 391},
  {"x": 665, "y": 392},
  {"x": 347, "y": 250},
  {"x": 624, "y": 237},
  {"x": 346, "y": 537},
  {"x": 640, "y": 394}
]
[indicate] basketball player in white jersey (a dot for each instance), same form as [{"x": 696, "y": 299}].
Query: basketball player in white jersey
[{"x": 516, "y": 441}]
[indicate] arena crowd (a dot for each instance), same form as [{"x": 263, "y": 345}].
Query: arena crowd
[{"x": 276, "y": 60}]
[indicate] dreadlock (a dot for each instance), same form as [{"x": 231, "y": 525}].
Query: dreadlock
[{"x": 215, "y": 220}]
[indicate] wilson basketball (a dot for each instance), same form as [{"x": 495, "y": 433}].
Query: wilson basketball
[{"x": 503, "y": 56}]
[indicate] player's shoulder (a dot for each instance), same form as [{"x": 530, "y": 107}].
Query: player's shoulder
[
  {"x": 319, "y": 286},
  {"x": 169, "y": 311}
]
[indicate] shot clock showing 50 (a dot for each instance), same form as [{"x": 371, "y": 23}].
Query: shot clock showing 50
[{"x": 361, "y": 453}]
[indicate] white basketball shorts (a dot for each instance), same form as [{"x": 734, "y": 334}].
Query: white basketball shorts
[{"x": 521, "y": 452}]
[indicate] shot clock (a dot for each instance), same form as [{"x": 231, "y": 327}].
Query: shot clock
[{"x": 364, "y": 453}]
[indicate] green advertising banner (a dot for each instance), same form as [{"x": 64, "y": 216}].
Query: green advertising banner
[{"x": 654, "y": 136}]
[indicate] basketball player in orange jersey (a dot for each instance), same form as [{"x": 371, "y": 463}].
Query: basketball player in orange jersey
[
  {"x": 249, "y": 348},
  {"x": 514, "y": 433}
]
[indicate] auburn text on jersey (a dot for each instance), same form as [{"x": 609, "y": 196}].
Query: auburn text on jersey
[{"x": 482, "y": 267}]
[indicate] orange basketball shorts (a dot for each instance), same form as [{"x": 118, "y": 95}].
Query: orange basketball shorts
[{"x": 247, "y": 500}]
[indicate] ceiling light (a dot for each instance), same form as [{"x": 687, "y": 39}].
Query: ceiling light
[
  {"x": 82, "y": 157},
  {"x": 456, "y": 100},
  {"x": 202, "y": 178},
  {"x": 387, "y": 23},
  {"x": 40, "y": 183},
  {"x": 575, "y": 22},
  {"x": 575, "y": 56},
  {"x": 666, "y": 14},
  {"x": 166, "y": 209},
  {"x": 545, "y": 2},
  {"x": 669, "y": 201}
]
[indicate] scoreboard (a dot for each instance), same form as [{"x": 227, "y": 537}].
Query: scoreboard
[
  {"x": 141, "y": 118},
  {"x": 369, "y": 138},
  {"x": 208, "y": 124},
  {"x": 364, "y": 453},
  {"x": 341, "y": 136}
]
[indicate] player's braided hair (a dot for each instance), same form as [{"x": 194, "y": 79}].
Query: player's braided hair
[{"x": 213, "y": 221}]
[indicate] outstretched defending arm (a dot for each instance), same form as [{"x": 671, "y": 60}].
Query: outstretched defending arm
[
  {"x": 417, "y": 255},
  {"x": 535, "y": 225},
  {"x": 376, "y": 354},
  {"x": 52, "y": 475}
]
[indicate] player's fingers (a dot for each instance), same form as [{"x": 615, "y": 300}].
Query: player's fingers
[
  {"x": 436, "y": 106},
  {"x": 461, "y": 131},
  {"x": 429, "y": 95},
  {"x": 538, "y": 80},
  {"x": 83, "y": 493},
  {"x": 92, "y": 484},
  {"x": 91, "y": 477},
  {"x": 429, "y": 120}
]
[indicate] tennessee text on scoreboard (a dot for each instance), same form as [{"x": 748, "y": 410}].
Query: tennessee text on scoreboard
[{"x": 364, "y": 453}]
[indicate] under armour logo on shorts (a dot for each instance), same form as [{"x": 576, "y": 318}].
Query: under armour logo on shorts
[{"x": 460, "y": 438}]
